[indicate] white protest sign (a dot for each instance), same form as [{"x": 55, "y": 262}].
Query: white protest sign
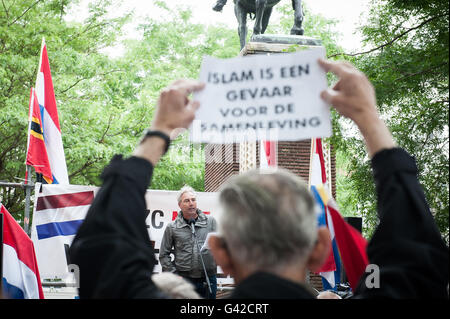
[{"x": 275, "y": 97}]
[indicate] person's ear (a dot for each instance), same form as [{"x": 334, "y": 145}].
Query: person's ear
[
  {"x": 320, "y": 251},
  {"x": 219, "y": 250}
]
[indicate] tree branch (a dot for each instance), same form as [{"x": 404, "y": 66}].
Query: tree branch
[
  {"x": 82, "y": 79},
  {"x": 421, "y": 72},
  {"x": 107, "y": 129},
  {"x": 88, "y": 28},
  {"x": 71, "y": 86},
  {"x": 6, "y": 10},
  {"x": 391, "y": 41},
  {"x": 86, "y": 165},
  {"x": 29, "y": 8}
]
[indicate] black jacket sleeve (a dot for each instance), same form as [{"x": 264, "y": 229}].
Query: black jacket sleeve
[
  {"x": 407, "y": 246},
  {"x": 112, "y": 248}
]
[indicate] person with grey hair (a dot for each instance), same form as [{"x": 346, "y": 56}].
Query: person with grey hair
[
  {"x": 271, "y": 217},
  {"x": 268, "y": 235},
  {"x": 191, "y": 260}
]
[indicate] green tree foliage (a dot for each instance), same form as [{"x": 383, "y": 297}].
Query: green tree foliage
[
  {"x": 407, "y": 61},
  {"x": 169, "y": 50},
  {"x": 81, "y": 78},
  {"x": 104, "y": 103}
]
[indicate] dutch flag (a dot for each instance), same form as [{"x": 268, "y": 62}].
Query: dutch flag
[
  {"x": 50, "y": 121},
  {"x": 20, "y": 279},
  {"x": 331, "y": 269},
  {"x": 348, "y": 244}
]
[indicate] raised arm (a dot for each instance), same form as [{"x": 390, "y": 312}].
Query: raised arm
[
  {"x": 353, "y": 96},
  {"x": 175, "y": 112},
  {"x": 408, "y": 257},
  {"x": 112, "y": 248}
]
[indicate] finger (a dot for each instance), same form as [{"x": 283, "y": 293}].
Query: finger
[
  {"x": 329, "y": 95},
  {"x": 194, "y": 105},
  {"x": 347, "y": 64},
  {"x": 337, "y": 86},
  {"x": 338, "y": 68},
  {"x": 187, "y": 86}
]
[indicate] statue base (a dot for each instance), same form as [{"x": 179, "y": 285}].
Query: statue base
[{"x": 276, "y": 43}]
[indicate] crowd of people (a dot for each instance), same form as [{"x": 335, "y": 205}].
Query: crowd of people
[{"x": 268, "y": 236}]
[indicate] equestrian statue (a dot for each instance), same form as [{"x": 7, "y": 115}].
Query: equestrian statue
[{"x": 261, "y": 9}]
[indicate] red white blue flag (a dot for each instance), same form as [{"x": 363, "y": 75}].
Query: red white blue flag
[
  {"x": 331, "y": 269},
  {"x": 36, "y": 150},
  {"x": 347, "y": 243},
  {"x": 352, "y": 246},
  {"x": 20, "y": 271},
  {"x": 50, "y": 121}
]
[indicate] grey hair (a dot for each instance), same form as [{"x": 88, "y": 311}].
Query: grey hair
[
  {"x": 184, "y": 189},
  {"x": 175, "y": 286},
  {"x": 268, "y": 220}
]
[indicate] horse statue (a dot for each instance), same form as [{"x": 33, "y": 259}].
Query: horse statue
[{"x": 261, "y": 9}]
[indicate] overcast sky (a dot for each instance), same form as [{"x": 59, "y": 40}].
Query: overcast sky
[{"x": 347, "y": 12}]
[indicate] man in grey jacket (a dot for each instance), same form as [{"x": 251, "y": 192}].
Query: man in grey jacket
[{"x": 178, "y": 235}]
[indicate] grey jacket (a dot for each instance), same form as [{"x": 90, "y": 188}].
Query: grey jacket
[{"x": 178, "y": 234}]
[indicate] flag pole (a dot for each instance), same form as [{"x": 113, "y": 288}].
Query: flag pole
[
  {"x": 310, "y": 161},
  {"x": 308, "y": 273},
  {"x": 26, "y": 217},
  {"x": 27, "y": 183},
  {"x": 40, "y": 61},
  {"x": 1, "y": 253}
]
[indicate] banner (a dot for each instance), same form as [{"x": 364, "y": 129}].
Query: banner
[
  {"x": 262, "y": 97},
  {"x": 60, "y": 209}
]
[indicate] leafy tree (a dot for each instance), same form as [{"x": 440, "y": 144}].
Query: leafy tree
[
  {"x": 407, "y": 61},
  {"x": 170, "y": 50},
  {"x": 408, "y": 64},
  {"x": 104, "y": 104},
  {"x": 81, "y": 77}
]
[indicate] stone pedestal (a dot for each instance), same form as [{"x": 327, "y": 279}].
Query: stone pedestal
[{"x": 273, "y": 43}]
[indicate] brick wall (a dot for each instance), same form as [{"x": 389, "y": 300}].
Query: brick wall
[
  {"x": 294, "y": 156},
  {"x": 218, "y": 166}
]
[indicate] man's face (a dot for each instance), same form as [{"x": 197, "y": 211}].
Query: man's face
[{"x": 188, "y": 205}]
